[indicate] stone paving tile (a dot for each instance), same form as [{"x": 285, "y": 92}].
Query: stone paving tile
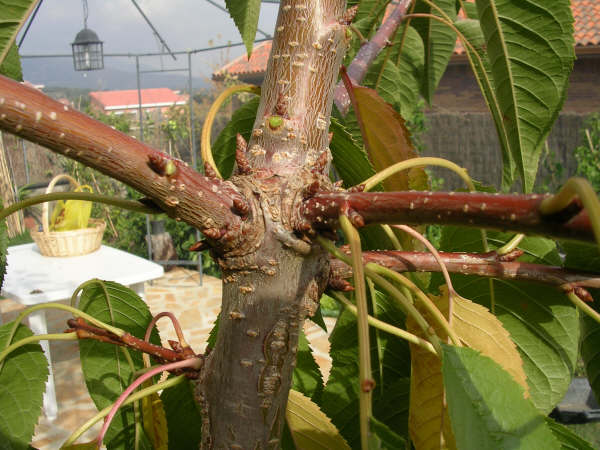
[{"x": 179, "y": 292}]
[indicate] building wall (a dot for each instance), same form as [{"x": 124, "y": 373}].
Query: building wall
[{"x": 458, "y": 90}]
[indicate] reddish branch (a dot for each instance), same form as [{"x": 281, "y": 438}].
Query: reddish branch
[
  {"x": 180, "y": 191},
  {"x": 161, "y": 354},
  {"x": 518, "y": 213},
  {"x": 367, "y": 54},
  {"x": 483, "y": 264}
]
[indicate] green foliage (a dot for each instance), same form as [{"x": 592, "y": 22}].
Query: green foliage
[
  {"x": 307, "y": 376},
  {"x": 588, "y": 154},
  {"x": 224, "y": 147},
  {"x": 438, "y": 41},
  {"x": 390, "y": 398},
  {"x": 530, "y": 72},
  {"x": 245, "y": 15},
  {"x": 106, "y": 369},
  {"x": 183, "y": 416},
  {"x": 13, "y": 14},
  {"x": 11, "y": 66},
  {"x": 539, "y": 318},
  {"x": 567, "y": 439},
  {"x": 482, "y": 419},
  {"x": 22, "y": 383}
]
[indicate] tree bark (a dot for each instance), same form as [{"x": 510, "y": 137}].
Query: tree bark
[{"x": 274, "y": 279}]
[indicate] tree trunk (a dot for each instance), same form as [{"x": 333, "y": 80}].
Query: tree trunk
[{"x": 274, "y": 279}]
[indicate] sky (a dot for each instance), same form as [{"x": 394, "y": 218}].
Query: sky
[{"x": 183, "y": 24}]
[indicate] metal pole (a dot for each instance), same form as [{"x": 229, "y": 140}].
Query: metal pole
[
  {"x": 191, "y": 105},
  {"x": 141, "y": 120},
  {"x": 193, "y": 149}
]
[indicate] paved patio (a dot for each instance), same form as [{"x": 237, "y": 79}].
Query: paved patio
[{"x": 178, "y": 291}]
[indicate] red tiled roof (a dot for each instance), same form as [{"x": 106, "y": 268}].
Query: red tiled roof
[
  {"x": 587, "y": 22},
  {"x": 257, "y": 63},
  {"x": 129, "y": 98},
  {"x": 587, "y": 33}
]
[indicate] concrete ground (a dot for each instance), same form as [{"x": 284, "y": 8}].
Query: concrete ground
[{"x": 179, "y": 292}]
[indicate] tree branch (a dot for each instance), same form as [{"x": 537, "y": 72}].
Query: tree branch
[
  {"x": 483, "y": 264},
  {"x": 179, "y": 190},
  {"x": 367, "y": 54},
  {"x": 164, "y": 355},
  {"x": 518, "y": 213}
]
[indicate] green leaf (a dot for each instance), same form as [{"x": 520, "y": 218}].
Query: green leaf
[
  {"x": 311, "y": 428},
  {"x": 471, "y": 31},
  {"x": 11, "y": 66},
  {"x": 307, "y": 377},
  {"x": 13, "y": 14},
  {"x": 582, "y": 256},
  {"x": 390, "y": 398},
  {"x": 245, "y": 15},
  {"x": 224, "y": 147},
  {"x": 183, "y": 416},
  {"x": 530, "y": 48},
  {"x": 22, "y": 384},
  {"x": 396, "y": 74},
  {"x": 590, "y": 347},
  {"x": 540, "y": 319},
  {"x": 567, "y": 439},
  {"x": 3, "y": 247},
  {"x": 349, "y": 158},
  {"x": 106, "y": 371},
  {"x": 439, "y": 41},
  {"x": 486, "y": 406},
  {"x": 383, "y": 438}
]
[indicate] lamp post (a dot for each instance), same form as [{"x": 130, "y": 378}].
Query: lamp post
[{"x": 87, "y": 47}]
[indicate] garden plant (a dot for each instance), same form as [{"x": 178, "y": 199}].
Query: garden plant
[{"x": 467, "y": 346}]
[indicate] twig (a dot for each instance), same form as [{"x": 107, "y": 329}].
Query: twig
[
  {"x": 133, "y": 398},
  {"x": 482, "y": 264},
  {"x": 365, "y": 395},
  {"x": 85, "y": 331},
  {"x": 367, "y": 54},
  {"x": 383, "y": 326},
  {"x": 439, "y": 260}
]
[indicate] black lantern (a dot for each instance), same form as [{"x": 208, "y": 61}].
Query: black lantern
[{"x": 87, "y": 47}]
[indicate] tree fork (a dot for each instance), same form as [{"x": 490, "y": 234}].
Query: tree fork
[{"x": 274, "y": 279}]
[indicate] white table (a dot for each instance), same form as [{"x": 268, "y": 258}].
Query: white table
[{"x": 32, "y": 279}]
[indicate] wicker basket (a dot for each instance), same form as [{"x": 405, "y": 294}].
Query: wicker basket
[{"x": 67, "y": 243}]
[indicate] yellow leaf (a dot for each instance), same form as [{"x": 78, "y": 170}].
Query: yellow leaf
[
  {"x": 311, "y": 429},
  {"x": 478, "y": 329},
  {"x": 155, "y": 422}
]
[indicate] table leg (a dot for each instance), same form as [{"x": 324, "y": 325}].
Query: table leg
[{"x": 37, "y": 322}]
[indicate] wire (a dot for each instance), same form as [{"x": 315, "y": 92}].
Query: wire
[{"x": 35, "y": 11}]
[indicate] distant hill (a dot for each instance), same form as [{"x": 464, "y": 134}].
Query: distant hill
[{"x": 58, "y": 72}]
